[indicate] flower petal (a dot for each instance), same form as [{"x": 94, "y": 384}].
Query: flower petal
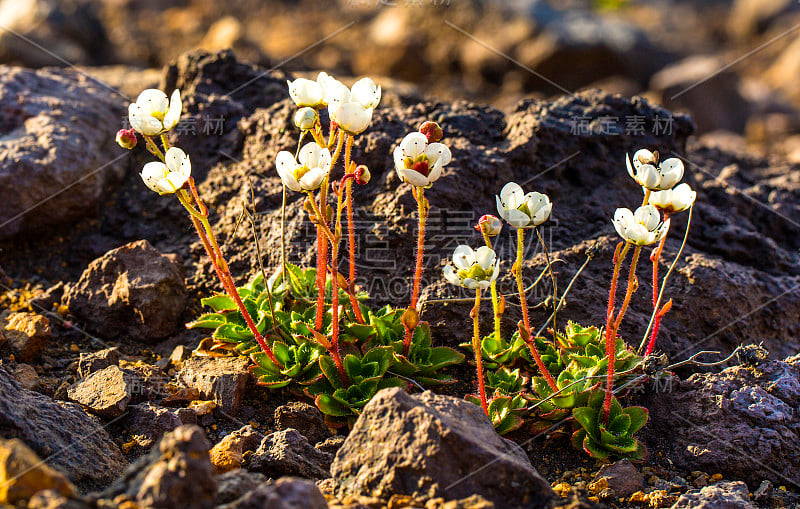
[
  {"x": 152, "y": 173},
  {"x": 463, "y": 257},
  {"x": 485, "y": 257},
  {"x": 412, "y": 177},
  {"x": 174, "y": 112},
  {"x": 512, "y": 195},
  {"x": 173, "y": 158},
  {"x": 451, "y": 275},
  {"x": 152, "y": 101},
  {"x": 517, "y": 218},
  {"x": 438, "y": 152},
  {"x": 642, "y": 157},
  {"x": 648, "y": 216},
  {"x": 414, "y": 144}
]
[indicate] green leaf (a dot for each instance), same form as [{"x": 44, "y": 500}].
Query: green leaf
[
  {"x": 233, "y": 332},
  {"x": 207, "y": 321},
  {"x": 638, "y": 417},
  {"x": 330, "y": 406},
  {"x": 577, "y": 438},
  {"x": 331, "y": 372},
  {"x": 442, "y": 356},
  {"x": 593, "y": 449},
  {"x": 619, "y": 424},
  {"x": 382, "y": 355},
  {"x": 587, "y": 418},
  {"x": 623, "y": 445},
  {"x": 219, "y": 303}
]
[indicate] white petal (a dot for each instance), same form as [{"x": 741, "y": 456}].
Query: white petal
[
  {"x": 412, "y": 177},
  {"x": 501, "y": 210},
  {"x": 310, "y": 155},
  {"x": 621, "y": 227},
  {"x": 176, "y": 180},
  {"x": 312, "y": 179},
  {"x": 542, "y": 214},
  {"x": 366, "y": 92},
  {"x": 483, "y": 285},
  {"x": 463, "y": 257},
  {"x": 451, "y": 275},
  {"x": 305, "y": 92},
  {"x": 648, "y": 176},
  {"x": 152, "y": 101},
  {"x": 641, "y": 154},
  {"x": 470, "y": 283},
  {"x": 152, "y": 173},
  {"x": 485, "y": 257},
  {"x": 399, "y": 158},
  {"x": 285, "y": 162},
  {"x": 496, "y": 271},
  {"x": 414, "y": 144},
  {"x": 648, "y": 216},
  {"x": 438, "y": 152},
  {"x": 671, "y": 172},
  {"x": 435, "y": 172},
  {"x": 512, "y": 195},
  {"x": 174, "y": 157},
  {"x": 174, "y": 113},
  {"x": 518, "y": 219},
  {"x": 638, "y": 234},
  {"x": 623, "y": 215},
  {"x": 630, "y": 168},
  {"x": 351, "y": 117}
]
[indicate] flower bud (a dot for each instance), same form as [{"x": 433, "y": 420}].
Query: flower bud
[
  {"x": 432, "y": 131},
  {"x": 362, "y": 175},
  {"x": 410, "y": 318},
  {"x": 126, "y": 138},
  {"x": 489, "y": 224},
  {"x": 306, "y": 118}
]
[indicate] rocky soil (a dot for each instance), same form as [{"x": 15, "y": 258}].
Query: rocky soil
[{"x": 107, "y": 401}]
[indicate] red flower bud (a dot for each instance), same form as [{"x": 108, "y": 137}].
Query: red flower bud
[
  {"x": 362, "y": 175},
  {"x": 432, "y": 131},
  {"x": 126, "y": 138}
]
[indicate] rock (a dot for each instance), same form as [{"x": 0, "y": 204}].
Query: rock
[
  {"x": 69, "y": 439},
  {"x": 723, "y": 495},
  {"x": 331, "y": 445},
  {"x": 105, "y": 393},
  {"x": 221, "y": 379},
  {"x": 228, "y": 453},
  {"x": 289, "y": 453},
  {"x": 57, "y": 130},
  {"x": 428, "y": 446},
  {"x": 27, "y": 376},
  {"x": 88, "y": 363},
  {"x": 22, "y": 474},
  {"x": 684, "y": 86},
  {"x": 285, "y": 493},
  {"x": 622, "y": 477},
  {"x": 236, "y": 483},
  {"x": 305, "y": 418},
  {"x": 132, "y": 291},
  {"x": 177, "y": 473},
  {"x": 71, "y": 31},
  {"x": 750, "y": 17},
  {"x": 51, "y": 499},
  {"x": 147, "y": 422},
  {"x": 599, "y": 46},
  {"x": 26, "y": 334},
  {"x": 741, "y": 422}
]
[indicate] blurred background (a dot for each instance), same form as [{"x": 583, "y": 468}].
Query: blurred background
[{"x": 733, "y": 64}]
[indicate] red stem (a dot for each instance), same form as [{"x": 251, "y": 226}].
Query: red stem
[
  {"x": 351, "y": 239},
  {"x": 322, "y": 266},
  {"x": 418, "y": 194},
  {"x": 476, "y": 347}
]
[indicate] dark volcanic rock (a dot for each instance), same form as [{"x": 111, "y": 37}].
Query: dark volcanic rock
[
  {"x": 147, "y": 422},
  {"x": 305, "y": 418},
  {"x": 742, "y": 422},
  {"x": 57, "y": 151},
  {"x": 177, "y": 473},
  {"x": 236, "y": 483},
  {"x": 222, "y": 379},
  {"x": 429, "y": 446},
  {"x": 622, "y": 477},
  {"x": 285, "y": 493},
  {"x": 88, "y": 363},
  {"x": 289, "y": 453},
  {"x": 132, "y": 291},
  {"x": 62, "y": 433},
  {"x": 228, "y": 453},
  {"x": 724, "y": 495}
]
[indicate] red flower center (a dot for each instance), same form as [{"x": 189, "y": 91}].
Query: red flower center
[{"x": 421, "y": 167}]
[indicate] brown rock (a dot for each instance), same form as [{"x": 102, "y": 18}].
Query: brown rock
[
  {"x": 305, "y": 418},
  {"x": 237, "y": 483},
  {"x": 52, "y": 499},
  {"x": 95, "y": 361},
  {"x": 289, "y": 453},
  {"x": 622, "y": 477},
  {"x": 105, "y": 393},
  {"x": 27, "y": 376},
  {"x": 130, "y": 291},
  {"x": 228, "y": 453},
  {"x": 428, "y": 446},
  {"x": 147, "y": 422},
  {"x": 22, "y": 474},
  {"x": 222, "y": 379},
  {"x": 26, "y": 334}
]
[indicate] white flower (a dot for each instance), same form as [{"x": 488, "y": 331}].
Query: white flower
[
  {"x": 418, "y": 162},
  {"x": 305, "y": 92},
  {"x": 673, "y": 200},
  {"x": 168, "y": 178},
  {"x": 473, "y": 269},
  {"x": 643, "y": 227},
  {"x": 306, "y": 118},
  {"x": 308, "y": 174},
  {"x": 522, "y": 210},
  {"x": 153, "y": 113},
  {"x": 332, "y": 88},
  {"x": 647, "y": 171},
  {"x": 366, "y": 92}
]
